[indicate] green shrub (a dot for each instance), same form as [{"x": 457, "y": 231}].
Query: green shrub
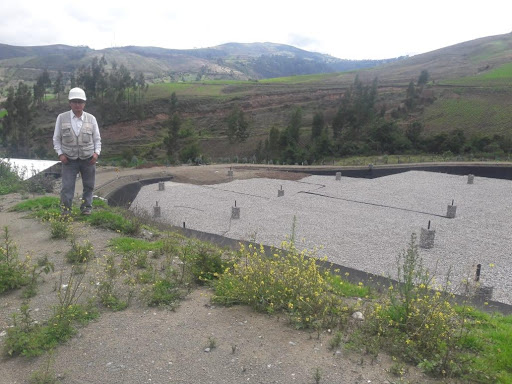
[
  {"x": 416, "y": 322},
  {"x": 202, "y": 261},
  {"x": 9, "y": 180},
  {"x": 289, "y": 281}
]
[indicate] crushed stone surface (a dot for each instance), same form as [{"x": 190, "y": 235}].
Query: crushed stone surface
[{"x": 359, "y": 223}]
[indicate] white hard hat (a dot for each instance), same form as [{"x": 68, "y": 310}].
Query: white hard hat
[{"x": 77, "y": 93}]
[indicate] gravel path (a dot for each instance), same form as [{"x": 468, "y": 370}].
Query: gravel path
[{"x": 359, "y": 223}]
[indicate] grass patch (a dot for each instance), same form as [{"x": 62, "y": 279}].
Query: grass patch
[
  {"x": 38, "y": 204},
  {"x": 130, "y": 244},
  {"x": 116, "y": 221},
  {"x": 344, "y": 289}
]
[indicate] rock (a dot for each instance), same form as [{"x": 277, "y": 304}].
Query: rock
[
  {"x": 148, "y": 235},
  {"x": 207, "y": 349},
  {"x": 358, "y": 316}
]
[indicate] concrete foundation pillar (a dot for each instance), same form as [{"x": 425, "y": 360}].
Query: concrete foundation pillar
[
  {"x": 235, "y": 212},
  {"x": 484, "y": 292},
  {"x": 338, "y": 175},
  {"x": 427, "y": 237},
  {"x": 156, "y": 210},
  {"x": 451, "y": 211},
  {"x": 161, "y": 186},
  {"x": 471, "y": 178}
]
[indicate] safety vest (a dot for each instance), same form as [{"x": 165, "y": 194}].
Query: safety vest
[{"x": 73, "y": 146}]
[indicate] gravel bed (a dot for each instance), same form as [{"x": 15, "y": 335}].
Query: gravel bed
[{"x": 359, "y": 223}]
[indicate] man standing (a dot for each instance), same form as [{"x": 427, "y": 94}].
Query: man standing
[{"x": 77, "y": 141}]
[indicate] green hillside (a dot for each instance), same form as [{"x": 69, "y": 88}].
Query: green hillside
[{"x": 462, "y": 105}]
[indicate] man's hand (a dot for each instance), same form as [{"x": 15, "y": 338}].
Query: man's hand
[
  {"x": 94, "y": 158},
  {"x": 63, "y": 159}
]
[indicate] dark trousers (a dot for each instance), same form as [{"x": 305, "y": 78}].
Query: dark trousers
[{"x": 69, "y": 174}]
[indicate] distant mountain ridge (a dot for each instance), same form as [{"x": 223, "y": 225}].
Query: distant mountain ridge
[{"x": 231, "y": 61}]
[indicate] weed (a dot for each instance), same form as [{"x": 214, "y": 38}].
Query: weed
[
  {"x": 163, "y": 293},
  {"x": 107, "y": 292},
  {"x": 45, "y": 374},
  {"x": 141, "y": 259},
  {"x": 13, "y": 272},
  {"x": 212, "y": 342},
  {"x": 317, "y": 375},
  {"x": 398, "y": 368},
  {"x": 335, "y": 342},
  {"x": 43, "y": 265},
  {"x": 79, "y": 253},
  {"x": 29, "y": 338},
  {"x": 60, "y": 226}
]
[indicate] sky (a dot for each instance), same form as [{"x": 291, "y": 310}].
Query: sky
[{"x": 357, "y": 30}]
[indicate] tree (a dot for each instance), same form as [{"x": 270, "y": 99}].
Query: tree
[
  {"x": 410, "y": 96},
  {"x": 171, "y": 140},
  {"x": 141, "y": 86},
  {"x": 413, "y": 133},
  {"x": 58, "y": 86},
  {"x": 42, "y": 83},
  {"x": 8, "y": 121},
  {"x": 17, "y": 124},
  {"x": 273, "y": 138},
  {"x": 423, "y": 78},
  {"x": 238, "y": 127},
  {"x": 24, "y": 117},
  {"x": 337, "y": 123},
  {"x": 293, "y": 129},
  {"x": 173, "y": 107},
  {"x": 318, "y": 125}
]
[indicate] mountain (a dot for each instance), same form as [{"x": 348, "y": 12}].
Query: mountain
[
  {"x": 469, "y": 92},
  {"x": 232, "y": 61}
]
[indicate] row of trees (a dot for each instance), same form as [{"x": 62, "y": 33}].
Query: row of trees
[
  {"x": 17, "y": 127},
  {"x": 113, "y": 92},
  {"x": 360, "y": 127}
]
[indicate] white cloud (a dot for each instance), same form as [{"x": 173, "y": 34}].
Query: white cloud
[{"x": 353, "y": 30}]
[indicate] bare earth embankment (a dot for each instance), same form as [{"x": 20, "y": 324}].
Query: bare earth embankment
[{"x": 147, "y": 345}]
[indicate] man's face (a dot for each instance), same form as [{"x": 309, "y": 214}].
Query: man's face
[{"x": 77, "y": 106}]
